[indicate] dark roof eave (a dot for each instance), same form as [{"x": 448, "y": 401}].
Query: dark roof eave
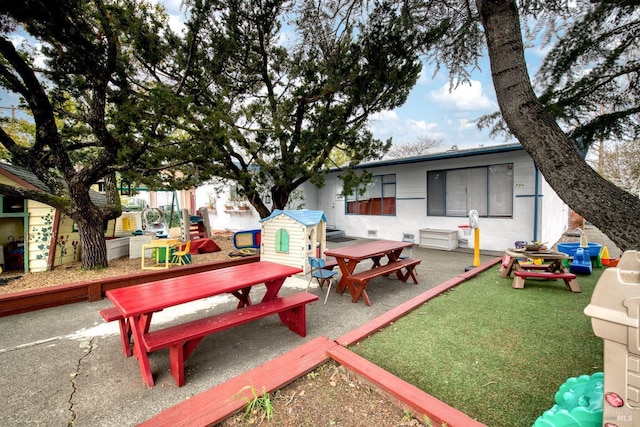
[{"x": 451, "y": 154}]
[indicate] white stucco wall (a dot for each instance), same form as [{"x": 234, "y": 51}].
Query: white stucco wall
[{"x": 496, "y": 234}]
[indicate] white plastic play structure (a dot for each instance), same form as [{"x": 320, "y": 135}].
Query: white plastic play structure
[{"x": 154, "y": 222}]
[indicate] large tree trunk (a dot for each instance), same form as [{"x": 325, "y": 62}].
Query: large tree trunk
[
  {"x": 90, "y": 221},
  {"x": 94, "y": 246},
  {"x": 614, "y": 211}
]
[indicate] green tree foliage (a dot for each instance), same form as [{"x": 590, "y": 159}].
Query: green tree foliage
[
  {"x": 589, "y": 79},
  {"x": 83, "y": 88},
  {"x": 494, "y": 27},
  {"x": 20, "y": 130},
  {"x": 275, "y": 92}
]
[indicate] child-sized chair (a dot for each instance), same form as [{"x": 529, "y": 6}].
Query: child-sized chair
[
  {"x": 182, "y": 257},
  {"x": 321, "y": 274}
]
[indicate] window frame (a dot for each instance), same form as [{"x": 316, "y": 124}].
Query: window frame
[
  {"x": 445, "y": 184},
  {"x": 378, "y": 199}
]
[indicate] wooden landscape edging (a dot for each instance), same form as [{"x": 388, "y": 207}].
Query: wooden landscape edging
[
  {"x": 52, "y": 296},
  {"x": 220, "y": 402}
]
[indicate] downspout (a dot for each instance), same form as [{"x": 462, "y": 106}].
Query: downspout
[{"x": 536, "y": 205}]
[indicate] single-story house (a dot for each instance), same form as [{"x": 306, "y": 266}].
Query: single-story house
[{"x": 428, "y": 198}]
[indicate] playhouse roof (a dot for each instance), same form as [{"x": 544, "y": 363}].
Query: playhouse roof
[
  {"x": 27, "y": 177},
  {"x": 304, "y": 216}
]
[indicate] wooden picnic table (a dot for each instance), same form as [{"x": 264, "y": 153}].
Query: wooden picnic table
[
  {"x": 551, "y": 268},
  {"x": 137, "y": 304},
  {"x": 348, "y": 257}
]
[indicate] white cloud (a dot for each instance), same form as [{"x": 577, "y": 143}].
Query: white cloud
[
  {"x": 465, "y": 97},
  {"x": 176, "y": 23},
  {"x": 387, "y": 124}
]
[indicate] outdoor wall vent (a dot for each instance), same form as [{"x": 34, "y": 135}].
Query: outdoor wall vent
[
  {"x": 408, "y": 237},
  {"x": 372, "y": 233}
]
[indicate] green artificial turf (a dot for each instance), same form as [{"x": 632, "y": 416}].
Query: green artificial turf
[{"x": 496, "y": 353}]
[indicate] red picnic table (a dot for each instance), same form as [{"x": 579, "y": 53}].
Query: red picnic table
[
  {"x": 138, "y": 303},
  {"x": 348, "y": 257}
]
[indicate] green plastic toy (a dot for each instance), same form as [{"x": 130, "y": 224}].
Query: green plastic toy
[{"x": 578, "y": 403}]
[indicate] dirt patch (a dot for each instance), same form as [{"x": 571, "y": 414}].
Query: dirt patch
[{"x": 331, "y": 396}]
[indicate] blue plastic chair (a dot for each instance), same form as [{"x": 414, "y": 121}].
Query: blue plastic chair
[{"x": 321, "y": 274}]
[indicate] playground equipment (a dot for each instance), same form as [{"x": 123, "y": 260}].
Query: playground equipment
[
  {"x": 247, "y": 242},
  {"x": 578, "y": 403},
  {"x": 153, "y": 222},
  {"x": 193, "y": 227},
  {"x": 474, "y": 220},
  {"x": 615, "y": 317},
  {"x": 591, "y": 249},
  {"x": 581, "y": 259},
  {"x": 581, "y": 263}
]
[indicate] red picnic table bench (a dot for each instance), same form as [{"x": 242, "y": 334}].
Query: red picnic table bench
[{"x": 134, "y": 307}]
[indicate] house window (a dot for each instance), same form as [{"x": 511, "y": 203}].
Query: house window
[
  {"x": 375, "y": 198},
  {"x": 488, "y": 189},
  {"x": 282, "y": 241}
]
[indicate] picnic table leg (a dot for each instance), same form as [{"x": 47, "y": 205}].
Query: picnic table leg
[
  {"x": 139, "y": 350},
  {"x": 178, "y": 353},
  {"x": 511, "y": 265},
  {"x": 360, "y": 292},
  {"x": 273, "y": 288},
  {"x": 243, "y": 296},
  {"x": 346, "y": 268},
  {"x": 409, "y": 273},
  {"x": 295, "y": 319}
]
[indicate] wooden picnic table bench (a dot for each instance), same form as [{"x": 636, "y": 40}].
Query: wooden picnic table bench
[
  {"x": 112, "y": 314},
  {"x": 182, "y": 339},
  {"x": 361, "y": 279},
  {"x": 521, "y": 275},
  {"x": 330, "y": 263}
]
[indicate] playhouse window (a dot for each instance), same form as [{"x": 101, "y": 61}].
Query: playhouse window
[
  {"x": 282, "y": 241},
  {"x": 12, "y": 204},
  {"x": 489, "y": 190},
  {"x": 375, "y": 198}
]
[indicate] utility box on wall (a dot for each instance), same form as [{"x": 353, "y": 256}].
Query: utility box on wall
[{"x": 615, "y": 317}]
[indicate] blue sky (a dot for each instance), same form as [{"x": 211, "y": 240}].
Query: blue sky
[{"x": 432, "y": 109}]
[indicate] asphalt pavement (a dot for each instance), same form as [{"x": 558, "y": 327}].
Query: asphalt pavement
[{"x": 64, "y": 366}]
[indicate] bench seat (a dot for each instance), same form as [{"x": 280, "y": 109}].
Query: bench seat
[
  {"x": 183, "y": 339},
  {"x": 330, "y": 263},
  {"x": 360, "y": 280},
  {"x": 112, "y": 314},
  {"x": 392, "y": 267},
  {"x": 569, "y": 278}
]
